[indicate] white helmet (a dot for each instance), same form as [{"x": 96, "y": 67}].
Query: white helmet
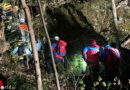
[
  {"x": 22, "y": 20},
  {"x": 57, "y": 38}
]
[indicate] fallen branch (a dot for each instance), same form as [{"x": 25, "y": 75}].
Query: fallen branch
[
  {"x": 126, "y": 42},
  {"x": 122, "y": 4}
]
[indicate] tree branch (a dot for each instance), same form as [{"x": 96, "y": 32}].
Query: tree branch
[
  {"x": 122, "y": 4},
  {"x": 127, "y": 41},
  {"x": 49, "y": 42}
]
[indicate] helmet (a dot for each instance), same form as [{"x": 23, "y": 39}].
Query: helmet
[
  {"x": 22, "y": 20},
  {"x": 56, "y": 38}
]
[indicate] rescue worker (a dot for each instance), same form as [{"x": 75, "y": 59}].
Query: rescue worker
[
  {"x": 23, "y": 37},
  {"x": 110, "y": 57},
  {"x": 59, "y": 51},
  {"x": 91, "y": 56},
  {"x": 7, "y": 12},
  {"x": 23, "y": 29}
]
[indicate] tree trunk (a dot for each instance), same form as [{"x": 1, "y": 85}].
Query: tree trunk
[
  {"x": 116, "y": 25},
  {"x": 34, "y": 48},
  {"x": 27, "y": 64},
  {"x": 3, "y": 44},
  {"x": 128, "y": 2},
  {"x": 48, "y": 38}
]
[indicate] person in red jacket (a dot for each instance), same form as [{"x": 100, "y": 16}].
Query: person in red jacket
[
  {"x": 110, "y": 57},
  {"x": 91, "y": 56},
  {"x": 59, "y": 50}
]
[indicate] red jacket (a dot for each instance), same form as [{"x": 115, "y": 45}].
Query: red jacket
[
  {"x": 91, "y": 53},
  {"x": 110, "y": 56},
  {"x": 59, "y": 49}
]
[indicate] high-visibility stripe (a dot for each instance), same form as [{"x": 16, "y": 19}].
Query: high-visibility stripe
[
  {"x": 20, "y": 57},
  {"x": 92, "y": 48}
]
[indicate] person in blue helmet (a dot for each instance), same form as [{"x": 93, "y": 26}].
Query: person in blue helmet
[{"x": 59, "y": 51}]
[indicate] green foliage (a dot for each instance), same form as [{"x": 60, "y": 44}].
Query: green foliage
[
  {"x": 21, "y": 82},
  {"x": 78, "y": 65},
  {"x": 45, "y": 84}
]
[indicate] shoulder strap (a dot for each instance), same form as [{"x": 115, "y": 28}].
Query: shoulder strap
[
  {"x": 111, "y": 54},
  {"x": 57, "y": 51}
]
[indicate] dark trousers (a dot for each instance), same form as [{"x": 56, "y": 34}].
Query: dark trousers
[
  {"x": 94, "y": 72},
  {"x": 109, "y": 75},
  {"x": 50, "y": 66},
  {"x": 21, "y": 50},
  {"x": 21, "y": 53},
  {"x": 92, "y": 77}
]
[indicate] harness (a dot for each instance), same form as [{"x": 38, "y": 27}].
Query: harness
[{"x": 57, "y": 49}]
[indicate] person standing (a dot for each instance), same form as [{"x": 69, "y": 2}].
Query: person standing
[
  {"x": 110, "y": 57},
  {"x": 23, "y": 38},
  {"x": 91, "y": 56},
  {"x": 59, "y": 51}
]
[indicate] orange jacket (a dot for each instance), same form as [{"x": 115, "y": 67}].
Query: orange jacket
[{"x": 23, "y": 26}]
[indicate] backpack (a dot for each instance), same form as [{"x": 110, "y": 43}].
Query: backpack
[
  {"x": 110, "y": 56},
  {"x": 62, "y": 49}
]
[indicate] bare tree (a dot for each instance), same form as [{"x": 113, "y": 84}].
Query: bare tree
[
  {"x": 34, "y": 48},
  {"x": 116, "y": 24},
  {"x": 48, "y": 38}
]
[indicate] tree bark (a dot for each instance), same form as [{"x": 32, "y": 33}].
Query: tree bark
[
  {"x": 114, "y": 13},
  {"x": 123, "y": 3},
  {"x": 4, "y": 46},
  {"x": 128, "y": 2},
  {"x": 116, "y": 25},
  {"x": 48, "y": 38},
  {"x": 34, "y": 48}
]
